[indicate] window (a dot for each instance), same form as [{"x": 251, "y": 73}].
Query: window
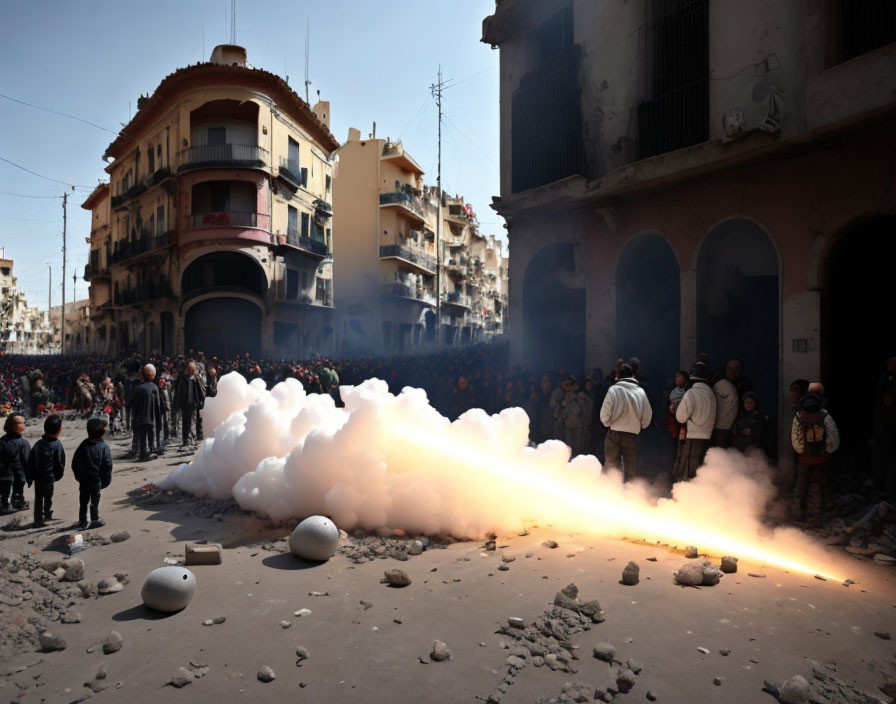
[
  {"x": 292, "y": 284},
  {"x": 159, "y": 153},
  {"x": 550, "y": 37},
  {"x": 863, "y": 26},
  {"x": 292, "y": 228},
  {"x": 306, "y": 219},
  {"x": 292, "y": 159},
  {"x": 160, "y": 220},
  {"x": 304, "y": 178},
  {"x": 216, "y": 136},
  {"x": 220, "y": 196},
  {"x": 151, "y": 157},
  {"x": 329, "y": 182}
]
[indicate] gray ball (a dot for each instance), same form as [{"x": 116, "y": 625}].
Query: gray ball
[
  {"x": 168, "y": 589},
  {"x": 315, "y": 538}
]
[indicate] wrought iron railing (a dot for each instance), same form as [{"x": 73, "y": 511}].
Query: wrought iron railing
[
  {"x": 125, "y": 249},
  {"x": 224, "y": 154},
  {"x": 223, "y": 219},
  {"x": 396, "y": 250}
]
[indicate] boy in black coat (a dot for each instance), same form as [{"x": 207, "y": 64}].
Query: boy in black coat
[
  {"x": 45, "y": 467},
  {"x": 92, "y": 467},
  {"x": 14, "y": 451}
]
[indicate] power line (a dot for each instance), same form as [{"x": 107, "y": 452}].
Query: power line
[
  {"x": 63, "y": 114},
  {"x": 451, "y": 122},
  {"x": 48, "y": 178},
  {"x": 414, "y": 118},
  {"x": 22, "y": 195}
]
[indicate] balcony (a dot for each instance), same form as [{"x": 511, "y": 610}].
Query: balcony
[
  {"x": 400, "y": 289},
  {"x": 227, "y": 155},
  {"x": 127, "y": 249},
  {"x": 292, "y": 173},
  {"x": 456, "y": 298},
  {"x": 223, "y": 219},
  {"x": 421, "y": 260},
  {"x": 405, "y": 203},
  {"x": 309, "y": 244},
  {"x": 144, "y": 293}
]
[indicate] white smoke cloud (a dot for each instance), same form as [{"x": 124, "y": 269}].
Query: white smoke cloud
[{"x": 394, "y": 461}]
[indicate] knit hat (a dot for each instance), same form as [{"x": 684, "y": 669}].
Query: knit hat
[
  {"x": 699, "y": 372},
  {"x": 810, "y": 403}
]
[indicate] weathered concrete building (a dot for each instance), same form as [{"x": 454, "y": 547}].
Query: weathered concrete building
[
  {"x": 214, "y": 231},
  {"x": 387, "y": 258},
  {"x": 23, "y": 329},
  {"x": 684, "y": 176}
]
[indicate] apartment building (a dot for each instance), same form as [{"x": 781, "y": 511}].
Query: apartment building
[{"x": 23, "y": 329}]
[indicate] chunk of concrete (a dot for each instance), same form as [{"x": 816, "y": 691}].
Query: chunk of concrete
[{"x": 203, "y": 554}]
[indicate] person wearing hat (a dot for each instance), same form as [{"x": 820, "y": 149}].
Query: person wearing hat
[
  {"x": 697, "y": 411},
  {"x": 815, "y": 438},
  {"x": 626, "y": 412}
]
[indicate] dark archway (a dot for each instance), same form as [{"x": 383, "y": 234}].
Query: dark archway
[
  {"x": 223, "y": 272},
  {"x": 738, "y": 307},
  {"x": 224, "y": 327},
  {"x": 648, "y": 310},
  {"x": 554, "y": 311},
  {"x": 857, "y": 287}
]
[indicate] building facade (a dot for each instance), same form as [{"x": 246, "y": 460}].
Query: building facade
[
  {"x": 387, "y": 258},
  {"x": 23, "y": 329},
  {"x": 684, "y": 176},
  {"x": 214, "y": 231}
]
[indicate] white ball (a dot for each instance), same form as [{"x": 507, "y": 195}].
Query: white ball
[
  {"x": 168, "y": 589},
  {"x": 315, "y": 538}
]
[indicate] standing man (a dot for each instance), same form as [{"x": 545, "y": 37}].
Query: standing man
[
  {"x": 575, "y": 415},
  {"x": 146, "y": 413},
  {"x": 626, "y": 412},
  {"x": 190, "y": 398},
  {"x": 698, "y": 410},
  {"x": 727, "y": 404}
]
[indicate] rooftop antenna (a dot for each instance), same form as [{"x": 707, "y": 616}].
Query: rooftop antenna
[
  {"x": 307, "y": 60},
  {"x": 233, "y": 21}
]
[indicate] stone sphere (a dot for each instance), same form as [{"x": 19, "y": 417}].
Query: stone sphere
[
  {"x": 315, "y": 538},
  {"x": 168, "y": 589}
]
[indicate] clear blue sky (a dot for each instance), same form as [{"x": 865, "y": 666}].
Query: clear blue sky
[{"x": 373, "y": 60}]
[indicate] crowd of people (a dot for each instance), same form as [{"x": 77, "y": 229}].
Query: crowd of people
[{"x": 159, "y": 400}]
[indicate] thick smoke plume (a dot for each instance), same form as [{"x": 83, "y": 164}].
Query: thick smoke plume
[{"x": 394, "y": 461}]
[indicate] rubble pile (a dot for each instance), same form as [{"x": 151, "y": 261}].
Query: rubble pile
[
  {"x": 361, "y": 547},
  {"x": 150, "y": 495},
  {"x": 866, "y": 530}
]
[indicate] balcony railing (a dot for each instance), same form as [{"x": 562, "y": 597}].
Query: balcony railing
[
  {"x": 403, "y": 199},
  {"x": 457, "y": 298},
  {"x": 125, "y": 249},
  {"x": 311, "y": 244},
  {"x": 223, "y": 219},
  {"x": 403, "y": 290},
  {"x": 144, "y": 293},
  {"x": 396, "y": 250},
  {"x": 223, "y": 155},
  {"x": 293, "y": 173}
]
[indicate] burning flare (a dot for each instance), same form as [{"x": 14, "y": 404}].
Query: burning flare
[{"x": 394, "y": 461}]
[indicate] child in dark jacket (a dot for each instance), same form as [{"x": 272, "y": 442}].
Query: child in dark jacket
[
  {"x": 749, "y": 427},
  {"x": 45, "y": 467},
  {"x": 14, "y": 451},
  {"x": 92, "y": 467}
]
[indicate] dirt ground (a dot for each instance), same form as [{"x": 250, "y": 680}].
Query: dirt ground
[{"x": 772, "y": 627}]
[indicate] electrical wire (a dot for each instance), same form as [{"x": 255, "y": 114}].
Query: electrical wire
[
  {"x": 476, "y": 146},
  {"x": 48, "y": 178},
  {"x": 22, "y": 195},
  {"x": 416, "y": 115},
  {"x": 63, "y": 114}
]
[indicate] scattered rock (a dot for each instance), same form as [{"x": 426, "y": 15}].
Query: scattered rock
[
  {"x": 490, "y": 545},
  {"x": 266, "y": 674},
  {"x": 711, "y": 574},
  {"x": 439, "y": 652},
  {"x": 507, "y": 558},
  {"x": 630, "y": 574},
  {"x": 651, "y": 559},
  {"x": 396, "y": 578},
  {"x": 515, "y": 662},
  {"x": 120, "y": 536},
  {"x": 633, "y": 665},
  {"x": 516, "y": 622},
  {"x": 503, "y": 568},
  {"x": 691, "y": 552},
  {"x": 217, "y": 620},
  {"x": 73, "y": 569},
  {"x": 717, "y": 681},
  {"x": 182, "y": 678},
  {"x": 301, "y": 654},
  {"x": 552, "y": 544},
  {"x": 881, "y": 557},
  {"x": 415, "y": 547},
  {"x": 757, "y": 575},
  {"x": 70, "y": 617},
  {"x": 113, "y": 643},
  {"x": 366, "y": 604},
  {"x": 888, "y": 688},
  {"x": 605, "y": 652},
  {"x": 690, "y": 575},
  {"x": 285, "y": 624},
  {"x": 625, "y": 680},
  {"x": 794, "y": 691},
  {"x": 50, "y": 642},
  {"x": 703, "y": 650},
  {"x": 729, "y": 564},
  {"x": 208, "y": 622},
  {"x": 651, "y": 697},
  {"x": 109, "y": 585},
  {"x": 882, "y": 634},
  {"x": 302, "y": 612},
  {"x": 724, "y": 651}
]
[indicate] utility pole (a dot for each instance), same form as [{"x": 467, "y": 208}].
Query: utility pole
[
  {"x": 62, "y": 316},
  {"x": 437, "y": 89},
  {"x": 307, "y": 61},
  {"x": 50, "y": 290}
]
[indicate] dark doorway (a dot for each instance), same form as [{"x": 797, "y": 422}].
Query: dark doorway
[
  {"x": 554, "y": 311},
  {"x": 228, "y": 271},
  {"x": 167, "y": 320},
  {"x": 857, "y": 330},
  {"x": 224, "y": 327},
  {"x": 738, "y": 308}
]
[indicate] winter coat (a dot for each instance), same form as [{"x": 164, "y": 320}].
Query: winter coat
[
  {"x": 190, "y": 392},
  {"x": 144, "y": 405},
  {"x": 92, "y": 464},
  {"x": 814, "y": 436},
  {"x": 575, "y": 409},
  {"x": 165, "y": 399},
  {"x": 626, "y": 408},
  {"x": 46, "y": 463},
  {"x": 727, "y": 403},
  {"x": 752, "y": 421},
  {"x": 14, "y": 452},
  {"x": 698, "y": 410}
]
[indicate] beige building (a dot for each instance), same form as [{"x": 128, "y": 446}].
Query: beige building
[
  {"x": 701, "y": 176},
  {"x": 77, "y": 327},
  {"x": 386, "y": 257},
  {"x": 214, "y": 231},
  {"x": 23, "y": 329}
]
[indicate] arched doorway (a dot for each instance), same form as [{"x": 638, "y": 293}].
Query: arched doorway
[
  {"x": 224, "y": 325},
  {"x": 738, "y": 308},
  {"x": 554, "y": 310},
  {"x": 857, "y": 283}
]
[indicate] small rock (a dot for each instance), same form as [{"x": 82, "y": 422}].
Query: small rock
[
  {"x": 691, "y": 552},
  {"x": 729, "y": 564},
  {"x": 724, "y": 651},
  {"x": 888, "y": 688},
  {"x": 625, "y": 680},
  {"x": 74, "y": 570},
  {"x": 70, "y": 617},
  {"x": 217, "y": 620},
  {"x": 717, "y": 681},
  {"x": 538, "y": 661},
  {"x": 490, "y": 545},
  {"x": 415, "y": 548},
  {"x": 396, "y": 578},
  {"x": 757, "y": 575},
  {"x": 633, "y": 665},
  {"x": 516, "y": 622},
  {"x": 515, "y": 662},
  {"x": 101, "y": 674},
  {"x": 266, "y": 674},
  {"x": 503, "y": 568},
  {"x": 794, "y": 691},
  {"x": 711, "y": 575},
  {"x": 113, "y": 643},
  {"x": 285, "y": 624},
  {"x": 315, "y": 593},
  {"x": 366, "y": 604},
  {"x": 651, "y": 697},
  {"x": 552, "y": 544},
  {"x": 208, "y": 622},
  {"x": 302, "y": 612},
  {"x": 119, "y": 536},
  {"x": 630, "y": 574},
  {"x": 439, "y": 652},
  {"x": 605, "y": 652},
  {"x": 302, "y": 653},
  {"x": 651, "y": 559},
  {"x": 690, "y": 575},
  {"x": 50, "y": 642},
  {"x": 507, "y": 558},
  {"x": 881, "y": 557},
  {"x": 703, "y": 650},
  {"x": 109, "y": 585},
  {"x": 182, "y": 677}
]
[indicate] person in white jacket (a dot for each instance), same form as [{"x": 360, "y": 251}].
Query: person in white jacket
[
  {"x": 626, "y": 412},
  {"x": 698, "y": 410},
  {"x": 727, "y": 403}
]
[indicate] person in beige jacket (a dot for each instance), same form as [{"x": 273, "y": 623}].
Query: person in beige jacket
[
  {"x": 626, "y": 412},
  {"x": 697, "y": 411}
]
